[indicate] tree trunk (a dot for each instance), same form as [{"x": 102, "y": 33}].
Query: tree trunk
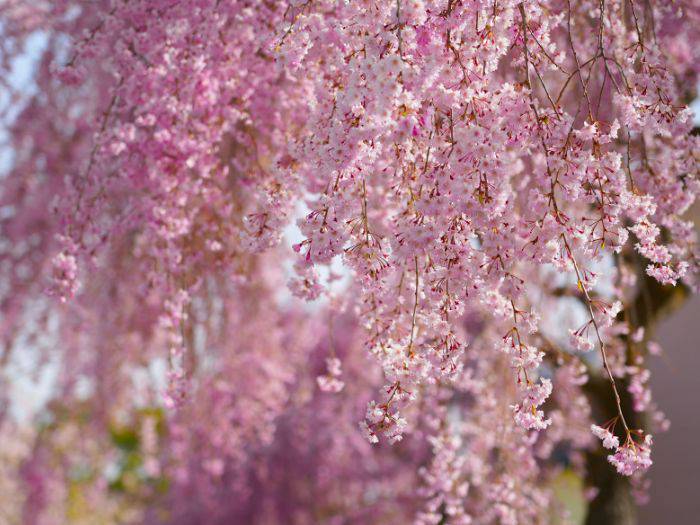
[{"x": 614, "y": 504}]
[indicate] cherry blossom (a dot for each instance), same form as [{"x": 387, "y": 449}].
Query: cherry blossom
[{"x": 339, "y": 262}]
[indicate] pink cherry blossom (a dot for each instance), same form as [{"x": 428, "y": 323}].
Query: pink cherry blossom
[
  {"x": 234, "y": 232},
  {"x": 632, "y": 457}
]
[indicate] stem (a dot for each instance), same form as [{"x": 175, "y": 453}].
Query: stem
[
  {"x": 589, "y": 305},
  {"x": 415, "y": 308}
]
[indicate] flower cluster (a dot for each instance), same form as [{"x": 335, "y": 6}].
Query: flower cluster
[
  {"x": 501, "y": 182},
  {"x": 330, "y": 381},
  {"x": 631, "y": 456}
]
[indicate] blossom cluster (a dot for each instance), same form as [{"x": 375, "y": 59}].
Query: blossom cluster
[
  {"x": 628, "y": 458},
  {"x": 501, "y": 181}
]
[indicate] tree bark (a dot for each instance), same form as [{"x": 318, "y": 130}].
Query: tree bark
[{"x": 614, "y": 504}]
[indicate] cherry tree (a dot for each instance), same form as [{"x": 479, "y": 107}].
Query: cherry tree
[{"x": 333, "y": 261}]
